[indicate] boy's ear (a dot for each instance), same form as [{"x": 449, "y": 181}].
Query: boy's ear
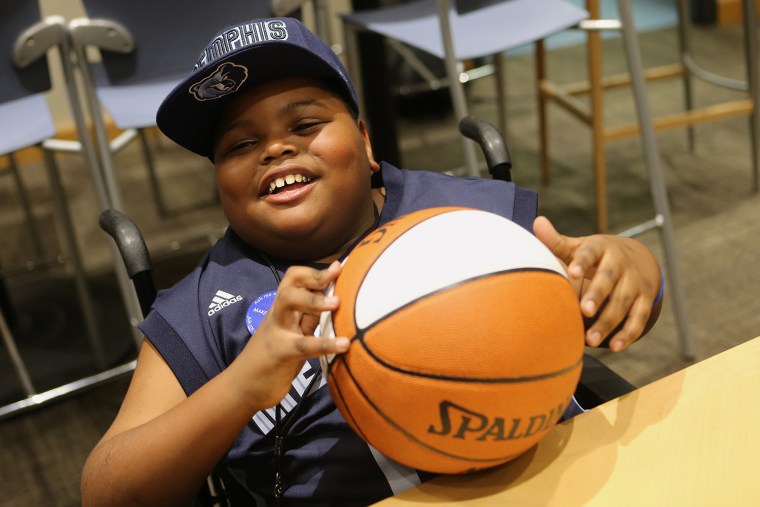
[{"x": 373, "y": 164}]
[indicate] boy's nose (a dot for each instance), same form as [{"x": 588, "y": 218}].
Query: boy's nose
[{"x": 279, "y": 149}]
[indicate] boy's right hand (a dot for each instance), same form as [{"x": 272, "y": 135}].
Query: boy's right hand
[{"x": 285, "y": 339}]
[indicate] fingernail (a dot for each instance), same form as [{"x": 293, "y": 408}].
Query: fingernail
[
  {"x": 589, "y": 307},
  {"x": 332, "y": 300},
  {"x": 616, "y": 345},
  {"x": 594, "y": 338},
  {"x": 341, "y": 344}
]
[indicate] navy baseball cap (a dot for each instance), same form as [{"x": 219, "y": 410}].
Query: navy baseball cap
[{"x": 238, "y": 58}]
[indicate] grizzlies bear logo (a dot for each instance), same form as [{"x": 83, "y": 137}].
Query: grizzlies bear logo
[{"x": 226, "y": 79}]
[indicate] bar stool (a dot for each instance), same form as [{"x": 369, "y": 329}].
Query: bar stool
[{"x": 592, "y": 113}]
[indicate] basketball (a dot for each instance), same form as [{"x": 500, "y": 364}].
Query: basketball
[{"x": 466, "y": 340}]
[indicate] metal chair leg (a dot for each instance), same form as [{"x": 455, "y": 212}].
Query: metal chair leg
[
  {"x": 542, "y": 112},
  {"x": 34, "y": 229},
  {"x": 684, "y": 46},
  {"x": 656, "y": 180},
  {"x": 98, "y": 157},
  {"x": 499, "y": 65},
  {"x": 753, "y": 83},
  {"x": 455, "y": 86},
  {"x": 750, "y": 85},
  {"x": 148, "y": 156},
  {"x": 18, "y": 364},
  {"x": 80, "y": 279}
]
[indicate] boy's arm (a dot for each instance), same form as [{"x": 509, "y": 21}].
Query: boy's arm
[
  {"x": 162, "y": 444},
  {"x": 618, "y": 280}
]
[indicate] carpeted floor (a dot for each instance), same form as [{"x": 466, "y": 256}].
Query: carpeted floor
[{"x": 715, "y": 215}]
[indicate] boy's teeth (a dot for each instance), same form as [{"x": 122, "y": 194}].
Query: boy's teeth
[{"x": 287, "y": 180}]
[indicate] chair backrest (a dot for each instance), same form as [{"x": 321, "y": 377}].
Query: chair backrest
[
  {"x": 168, "y": 34},
  {"x": 465, "y": 6},
  {"x": 480, "y": 27},
  {"x": 15, "y": 83},
  {"x": 23, "y": 107}
]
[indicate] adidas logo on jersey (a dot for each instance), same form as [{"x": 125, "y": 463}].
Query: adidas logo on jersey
[{"x": 222, "y": 300}]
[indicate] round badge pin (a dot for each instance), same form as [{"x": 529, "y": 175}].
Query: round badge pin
[{"x": 258, "y": 310}]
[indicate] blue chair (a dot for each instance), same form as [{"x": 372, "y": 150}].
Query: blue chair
[
  {"x": 22, "y": 96},
  {"x": 139, "y": 64},
  {"x": 458, "y": 31}
]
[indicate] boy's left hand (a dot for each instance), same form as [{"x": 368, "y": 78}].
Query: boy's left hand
[{"x": 617, "y": 278}]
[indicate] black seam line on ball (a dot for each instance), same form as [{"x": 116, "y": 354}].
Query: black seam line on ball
[
  {"x": 361, "y": 331},
  {"x": 487, "y": 380},
  {"x": 492, "y": 460},
  {"x": 482, "y": 380}
]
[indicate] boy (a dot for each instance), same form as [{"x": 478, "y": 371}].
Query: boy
[{"x": 229, "y": 371}]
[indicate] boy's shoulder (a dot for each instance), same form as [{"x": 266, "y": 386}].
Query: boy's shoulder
[
  {"x": 222, "y": 265},
  {"x": 202, "y": 322},
  {"x": 412, "y": 190}
]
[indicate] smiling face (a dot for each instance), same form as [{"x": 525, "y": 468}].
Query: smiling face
[{"x": 293, "y": 169}]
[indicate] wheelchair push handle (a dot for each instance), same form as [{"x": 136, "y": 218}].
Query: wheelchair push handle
[
  {"x": 128, "y": 239},
  {"x": 134, "y": 254},
  {"x": 491, "y": 143}
]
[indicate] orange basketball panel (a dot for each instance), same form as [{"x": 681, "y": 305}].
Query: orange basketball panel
[
  {"x": 445, "y": 426},
  {"x": 506, "y": 325}
]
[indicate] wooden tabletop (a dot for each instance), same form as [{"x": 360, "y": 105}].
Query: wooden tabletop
[{"x": 692, "y": 439}]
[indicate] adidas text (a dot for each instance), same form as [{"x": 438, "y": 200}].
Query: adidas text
[{"x": 222, "y": 302}]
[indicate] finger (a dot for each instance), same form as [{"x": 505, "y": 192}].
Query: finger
[
  {"x": 313, "y": 346},
  {"x": 606, "y": 278},
  {"x": 611, "y": 314},
  {"x": 587, "y": 257},
  {"x": 302, "y": 300},
  {"x": 634, "y": 325},
  {"x": 310, "y": 278},
  {"x": 561, "y": 246},
  {"x": 309, "y": 323}
]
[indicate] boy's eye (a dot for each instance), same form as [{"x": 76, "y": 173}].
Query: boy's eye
[
  {"x": 241, "y": 145},
  {"x": 306, "y": 126}
]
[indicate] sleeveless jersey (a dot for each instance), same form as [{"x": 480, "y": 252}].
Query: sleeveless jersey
[{"x": 200, "y": 325}]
